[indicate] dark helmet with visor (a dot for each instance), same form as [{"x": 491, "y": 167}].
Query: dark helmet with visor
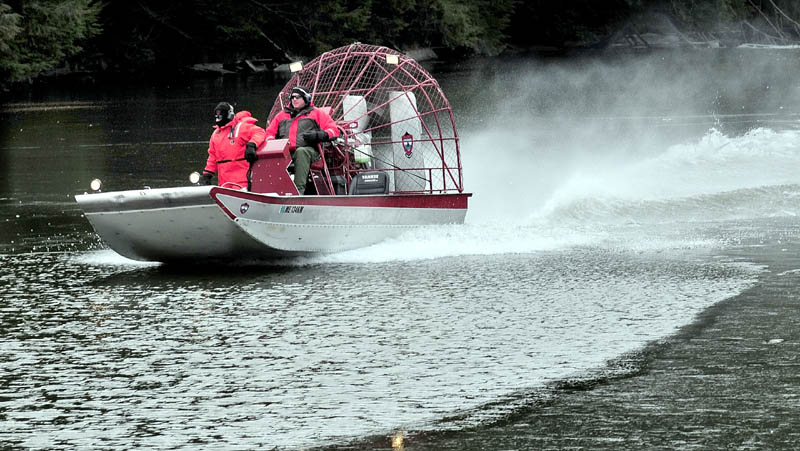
[{"x": 223, "y": 113}]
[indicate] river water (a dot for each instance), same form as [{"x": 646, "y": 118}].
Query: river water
[{"x": 610, "y": 192}]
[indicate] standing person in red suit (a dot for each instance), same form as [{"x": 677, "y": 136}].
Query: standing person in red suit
[
  {"x": 232, "y": 147},
  {"x": 305, "y": 126}
]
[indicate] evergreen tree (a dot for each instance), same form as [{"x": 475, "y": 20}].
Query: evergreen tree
[
  {"x": 9, "y": 30},
  {"x": 40, "y": 35},
  {"x": 43, "y": 35}
]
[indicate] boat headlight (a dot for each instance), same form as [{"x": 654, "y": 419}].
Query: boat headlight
[
  {"x": 296, "y": 66},
  {"x": 194, "y": 177},
  {"x": 95, "y": 185}
]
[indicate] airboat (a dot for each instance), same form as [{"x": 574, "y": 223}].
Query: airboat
[{"x": 396, "y": 166}]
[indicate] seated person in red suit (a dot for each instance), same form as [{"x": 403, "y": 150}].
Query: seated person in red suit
[{"x": 305, "y": 126}]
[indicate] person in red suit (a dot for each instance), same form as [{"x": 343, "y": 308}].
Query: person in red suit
[
  {"x": 232, "y": 147},
  {"x": 305, "y": 126}
]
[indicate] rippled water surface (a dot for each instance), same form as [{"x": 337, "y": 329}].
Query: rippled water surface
[
  {"x": 607, "y": 192},
  {"x": 295, "y": 355}
]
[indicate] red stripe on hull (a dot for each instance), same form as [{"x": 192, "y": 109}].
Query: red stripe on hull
[{"x": 443, "y": 201}]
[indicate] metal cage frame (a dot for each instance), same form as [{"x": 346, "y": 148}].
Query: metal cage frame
[{"x": 389, "y": 91}]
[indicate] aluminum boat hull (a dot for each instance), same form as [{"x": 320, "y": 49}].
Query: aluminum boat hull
[{"x": 201, "y": 222}]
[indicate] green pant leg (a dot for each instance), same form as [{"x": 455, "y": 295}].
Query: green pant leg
[{"x": 303, "y": 156}]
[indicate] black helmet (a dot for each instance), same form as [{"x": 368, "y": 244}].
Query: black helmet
[
  {"x": 223, "y": 113},
  {"x": 303, "y": 91}
]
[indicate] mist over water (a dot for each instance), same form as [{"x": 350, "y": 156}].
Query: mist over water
[
  {"x": 631, "y": 203},
  {"x": 592, "y": 151},
  {"x": 606, "y": 190},
  {"x": 656, "y": 138}
]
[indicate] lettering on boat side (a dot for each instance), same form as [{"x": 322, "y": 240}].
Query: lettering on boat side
[
  {"x": 292, "y": 209},
  {"x": 244, "y": 207}
]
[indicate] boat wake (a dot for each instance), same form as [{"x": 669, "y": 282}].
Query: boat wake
[
  {"x": 107, "y": 257},
  {"x": 717, "y": 178},
  {"x": 740, "y": 204},
  {"x": 633, "y": 203}
]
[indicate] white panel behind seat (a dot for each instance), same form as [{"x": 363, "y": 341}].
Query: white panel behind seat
[
  {"x": 355, "y": 109},
  {"x": 405, "y": 122}
]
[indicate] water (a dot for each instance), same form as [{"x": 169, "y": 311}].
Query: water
[{"x": 610, "y": 194}]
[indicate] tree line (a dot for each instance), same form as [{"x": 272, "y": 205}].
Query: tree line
[{"x": 46, "y": 36}]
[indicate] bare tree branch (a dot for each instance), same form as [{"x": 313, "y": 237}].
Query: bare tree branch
[
  {"x": 276, "y": 46},
  {"x": 774, "y": 27},
  {"x": 784, "y": 14},
  {"x": 163, "y": 22},
  {"x": 772, "y": 38},
  {"x": 282, "y": 17}
]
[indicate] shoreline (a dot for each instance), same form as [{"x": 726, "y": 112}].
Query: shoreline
[
  {"x": 215, "y": 71},
  {"x": 728, "y": 380}
]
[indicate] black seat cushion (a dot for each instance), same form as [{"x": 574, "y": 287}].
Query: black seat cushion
[{"x": 369, "y": 183}]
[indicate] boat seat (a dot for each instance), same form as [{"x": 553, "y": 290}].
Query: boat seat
[
  {"x": 319, "y": 169},
  {"x": 369, "y": 183},
  {"x": 317, "y": 164}
]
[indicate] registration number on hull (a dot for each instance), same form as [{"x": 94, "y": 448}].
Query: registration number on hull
[{"x": 292, "y": 209}]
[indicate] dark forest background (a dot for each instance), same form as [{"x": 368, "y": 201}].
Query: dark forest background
[{"x": 46, "y": 37}]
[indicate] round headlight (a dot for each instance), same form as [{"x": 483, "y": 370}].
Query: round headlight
[
  {"x": 194, "y": 177},
  {"x": 95, "y": 185}
]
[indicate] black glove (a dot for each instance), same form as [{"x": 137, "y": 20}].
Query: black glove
[
  {"x": 317, "y": 136},
  {"x": 205, "y": 179},
  {"x": 250, "y": 153}
]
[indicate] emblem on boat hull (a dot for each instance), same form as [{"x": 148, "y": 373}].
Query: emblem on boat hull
[
  {"x": 244, "y": 207},
  {"x": 408, "y": 144}
]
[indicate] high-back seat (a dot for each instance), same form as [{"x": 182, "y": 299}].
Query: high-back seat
[
  {"x": 372, "y": 182},
  {"x": 319, "y": 169}
]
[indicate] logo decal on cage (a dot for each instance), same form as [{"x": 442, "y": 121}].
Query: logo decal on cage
[
  {"x": 244, "y": 207},
  {"x": 408, "y": 144}
]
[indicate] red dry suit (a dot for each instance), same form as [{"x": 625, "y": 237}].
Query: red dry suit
[
  {"x": 291, "y": 124},
  {"x": 226, "y": 149}
]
